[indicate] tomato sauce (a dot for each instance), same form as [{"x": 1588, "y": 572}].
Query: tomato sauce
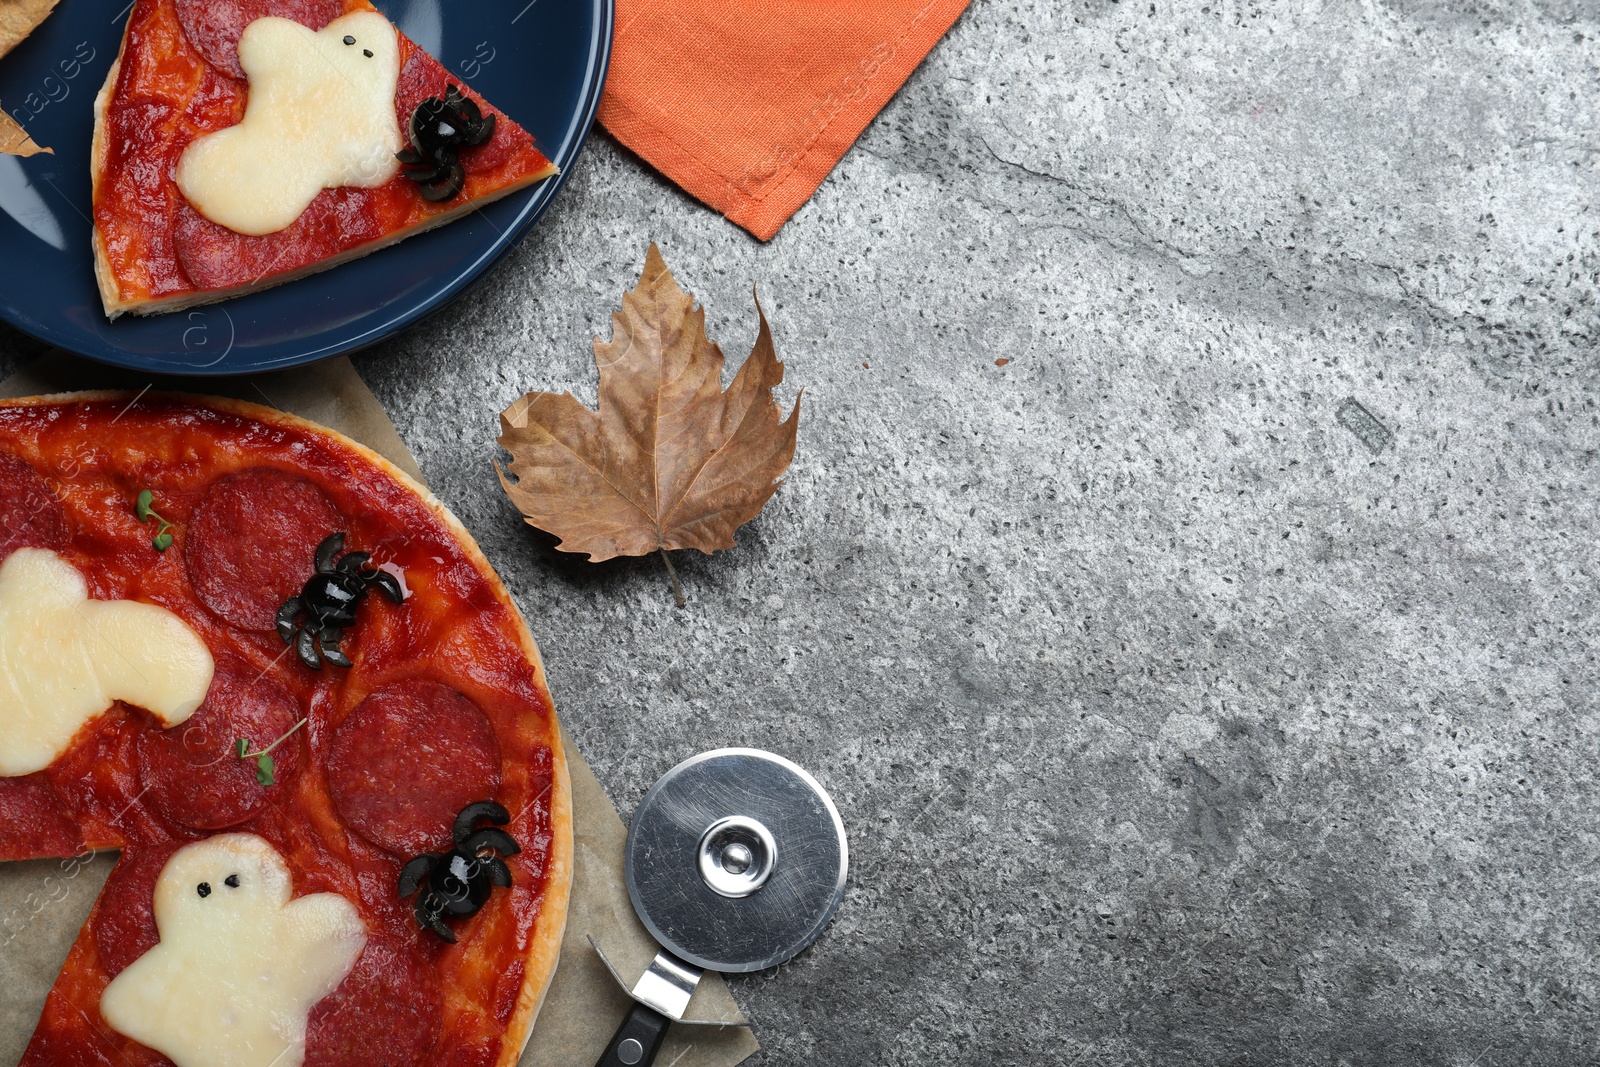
[{"x": 167, "y": 94}]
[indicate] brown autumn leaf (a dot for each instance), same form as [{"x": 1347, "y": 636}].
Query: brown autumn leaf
[
  {"x": 670, "y": 460},
  {"x": 14, "y": 140},
  {"x": 18, "y": 18}
]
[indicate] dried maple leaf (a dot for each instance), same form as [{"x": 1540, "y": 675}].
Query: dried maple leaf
[
  {"x": 18, "y": 18},
  {"x": 670, "y": 460},
  {"x": 14, "y": 140}
]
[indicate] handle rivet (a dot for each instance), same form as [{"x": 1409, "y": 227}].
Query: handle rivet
[{"x": 630, "y": 1051}]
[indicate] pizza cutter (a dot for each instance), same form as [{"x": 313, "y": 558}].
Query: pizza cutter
[{"x": 736, "y": 861}]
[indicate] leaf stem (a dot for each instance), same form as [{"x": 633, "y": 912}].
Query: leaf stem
[
  {"x": 268, "y": 750},
  {"x": 672, "y": 572},
  {"x": 144, "y": 512}
]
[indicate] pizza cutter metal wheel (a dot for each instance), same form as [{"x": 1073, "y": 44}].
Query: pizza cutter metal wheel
[{"x": 736, "y": 862}]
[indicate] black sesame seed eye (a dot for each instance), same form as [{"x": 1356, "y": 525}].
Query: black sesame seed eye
[
  {"x": 232, "y": 881},
  {"x": 204, "y": 889},
  {"x": 349, "y": 39},
  {"x": 367, "y": 52}
]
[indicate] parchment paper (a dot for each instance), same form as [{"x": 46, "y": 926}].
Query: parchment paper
[{"x": 44, "y": 903}]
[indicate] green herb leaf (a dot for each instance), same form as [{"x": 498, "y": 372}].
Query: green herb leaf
[
  {"x": 141, "y": 507},
  {"x": 266, "y": 770}
]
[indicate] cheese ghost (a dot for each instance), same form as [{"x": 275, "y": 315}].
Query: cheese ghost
[
  {"x": 239, "y": 965},
  {"x": 65, "y": 658},
  {"x": 321, "y": 114}
]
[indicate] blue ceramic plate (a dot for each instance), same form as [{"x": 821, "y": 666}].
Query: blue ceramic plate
[{"x": 542, "y": 62}]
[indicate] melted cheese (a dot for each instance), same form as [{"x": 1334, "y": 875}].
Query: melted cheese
[
  {"x": 65, "y": 658},
  {"x": 238, "y": 969},
  {"x": 320, "y": 116}
]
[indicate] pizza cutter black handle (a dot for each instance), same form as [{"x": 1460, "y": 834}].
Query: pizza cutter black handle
[{"x": 637, "y": 1039}]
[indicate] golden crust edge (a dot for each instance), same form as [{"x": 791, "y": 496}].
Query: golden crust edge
[
  {"x": 546, "y": 947},
  {"x": 184, "y": 301},
  {"x": 544, "y": 950}
]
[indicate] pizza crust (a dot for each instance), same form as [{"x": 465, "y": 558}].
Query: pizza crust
[
  {"x": 116, "y": 306},
  {"x": 111, "y": 290},
  {"x": 544, "y": 948}
]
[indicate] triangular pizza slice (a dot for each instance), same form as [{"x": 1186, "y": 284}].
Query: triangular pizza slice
[{"x": 240, "y": 144}]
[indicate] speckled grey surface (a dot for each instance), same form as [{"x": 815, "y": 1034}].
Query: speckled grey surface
[{"x": 1171, "y": 723}]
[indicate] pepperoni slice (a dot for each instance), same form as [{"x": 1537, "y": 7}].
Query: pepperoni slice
[
  {"x": 386, "y": 1010},
  {"x": 192, "y": 774},
  {"x": 405, "y": 762},
  {"x": 215, "y": 257},
  {"x": 69, "y": 1042},
  {"x": 32, "y": 824},
  {"x": 137, "y": 189},
  {"x": 30, "y": 514},
  {"x": 251, "y": 542},
  {"x": 215, "y": 26},
  {"x": 124, "y": 919}
]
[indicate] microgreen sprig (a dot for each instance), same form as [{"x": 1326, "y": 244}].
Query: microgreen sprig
[
  {"x": 141, "y": 508},
  {"x": 265, "y": 768}
]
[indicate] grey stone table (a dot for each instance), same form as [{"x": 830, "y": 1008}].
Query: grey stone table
[{"x": 1181, "y": 712}]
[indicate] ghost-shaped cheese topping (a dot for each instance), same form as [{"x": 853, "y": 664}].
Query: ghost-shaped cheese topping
[
  {"x": 65, "y": 658},
  {"x": 239, "y": 964},
  {"x": 321, "y": 115}
]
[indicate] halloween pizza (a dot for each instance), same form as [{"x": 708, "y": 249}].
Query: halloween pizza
[
  {"x": 280, "y": 678},
  {"x": 239, "y": 144}
]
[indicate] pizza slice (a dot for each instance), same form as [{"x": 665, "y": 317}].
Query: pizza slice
[{"x": 241, "y": 144}]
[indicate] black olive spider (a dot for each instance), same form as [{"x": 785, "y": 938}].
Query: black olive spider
[
  {"x": 455, "y": 884},
  {"x": 440, "y": 129},
  {"x": 329, "y": 600}
]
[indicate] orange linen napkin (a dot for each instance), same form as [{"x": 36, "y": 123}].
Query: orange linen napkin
[{"x": 748, "y": 104}]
